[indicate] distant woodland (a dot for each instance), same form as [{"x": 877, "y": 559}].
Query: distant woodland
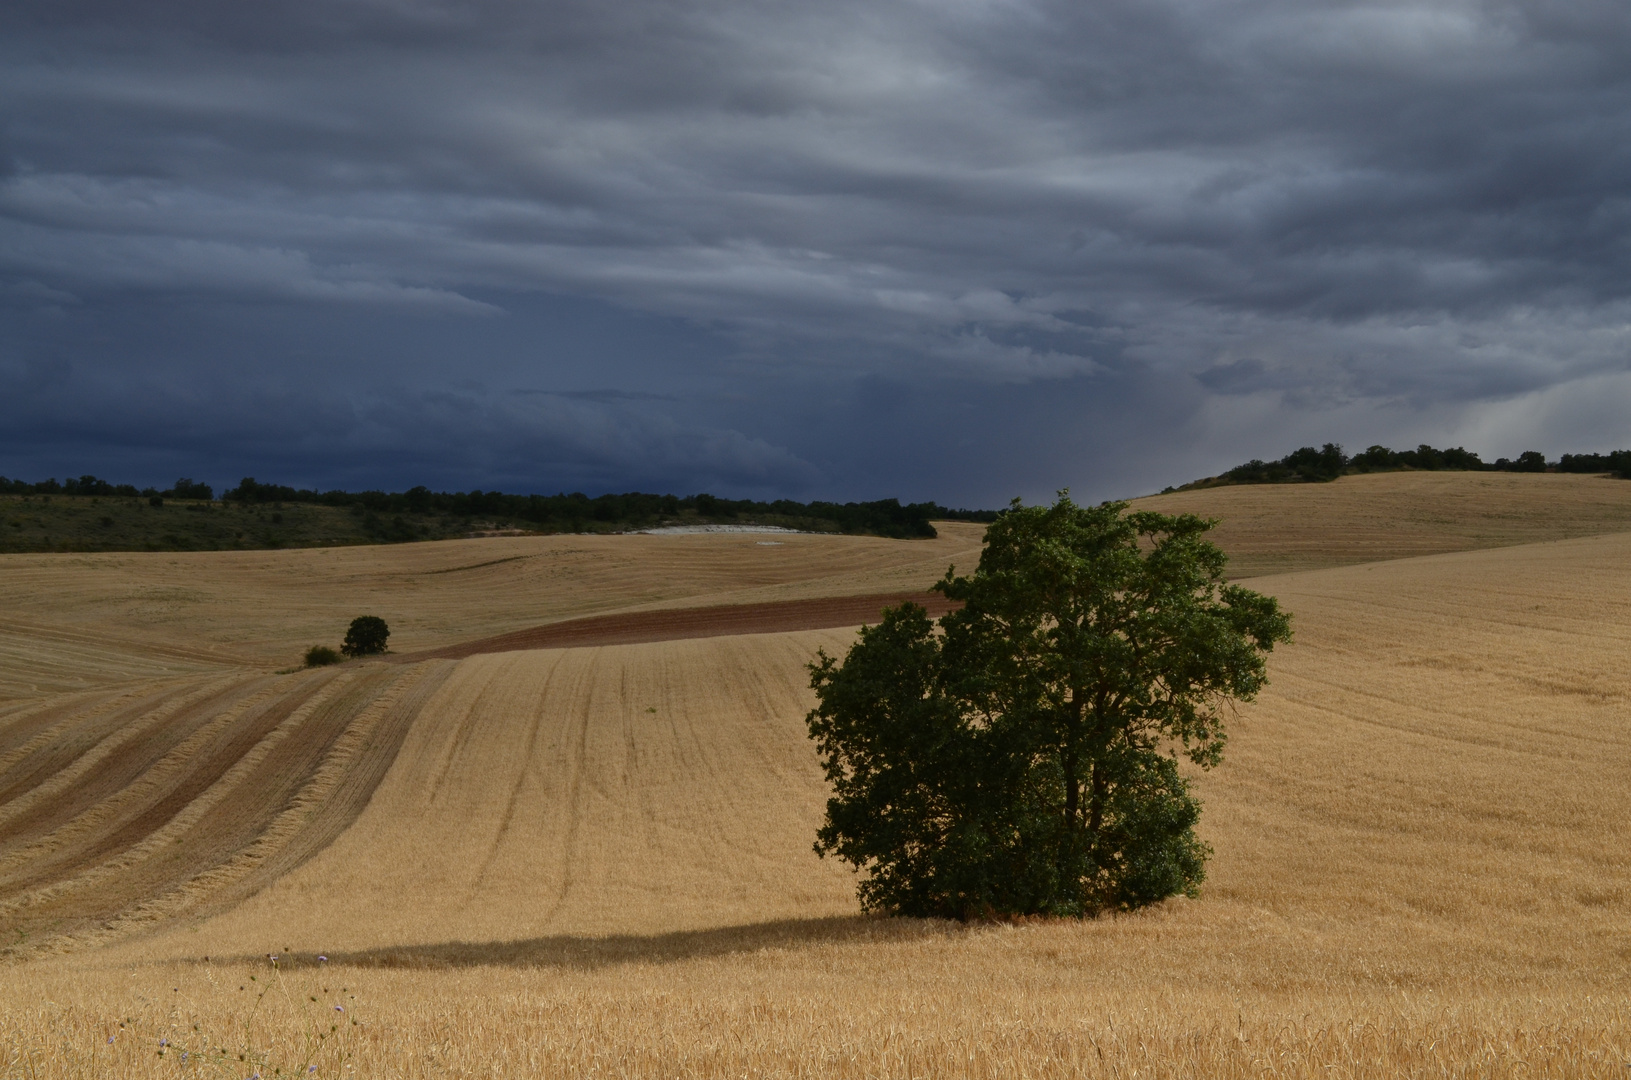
[
  {"x": 87, "y": 513},
  {"x": 1309, "y": 465},
  {"x": 91, "y": 514}
]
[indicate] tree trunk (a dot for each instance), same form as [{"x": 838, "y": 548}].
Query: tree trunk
[
  {"x": 1072, "y": 787},
  {"x": 1101, "y": 790},
  {"x": 1071, "y": 760}
]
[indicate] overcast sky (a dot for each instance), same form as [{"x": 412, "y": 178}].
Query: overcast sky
[{"x": 953, "y": 250}]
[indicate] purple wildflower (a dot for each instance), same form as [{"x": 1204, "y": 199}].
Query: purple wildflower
[
  {"x": 110, "y": 1038},
  {"x": 339, "y": 1008}
]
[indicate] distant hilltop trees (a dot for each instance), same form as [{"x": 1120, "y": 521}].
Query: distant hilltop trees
[
  {"x": 396, "y": 516},
  {"x": 579, "y": 513},
  {"x": 1308, "y": 465},
  {"x": 185, "y": 488}
]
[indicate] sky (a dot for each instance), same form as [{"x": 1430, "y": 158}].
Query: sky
[{"x": 953, "y": 250}]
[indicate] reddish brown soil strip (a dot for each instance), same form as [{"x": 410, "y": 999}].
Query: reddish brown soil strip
[{"x": 778, "y": 617}]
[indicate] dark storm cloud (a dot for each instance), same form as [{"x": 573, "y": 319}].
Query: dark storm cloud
[{"x": 1112, "y": 244}]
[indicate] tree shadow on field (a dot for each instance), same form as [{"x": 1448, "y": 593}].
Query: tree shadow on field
[{"x": 592, "y": 953}]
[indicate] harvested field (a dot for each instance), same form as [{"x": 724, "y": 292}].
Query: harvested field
[
  {"x": 596, "y": 860},
  {"x": 79, "y": 621},
  {"x": 1367, "y": 808},
  {"x": 117, "y": 810},
  {"x": 1275, "y": 528},
  {"x": 137, "y": 614},
  {"x": 627, "y": 789}
]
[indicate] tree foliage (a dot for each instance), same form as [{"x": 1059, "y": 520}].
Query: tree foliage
[
  {"x": 1304, "y": 464},
  {"x": 1024, "y": 759},
  {"x": 576, "y": 512},
  {"x": 366, "y": 636},
  {"x": 1307, "y": 464},
  {"x": 1618, "y": 462},
  {"x": 321, "y": 656}
]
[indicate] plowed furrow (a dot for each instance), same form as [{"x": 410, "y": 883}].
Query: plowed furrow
[
  {"x": 231, "y": 807},
  {"x": 22, "y": 721},
  {"x": 348, "y": 792},
  {"x": 133, "y": 793},
  {"x": 238, "y": 814},
  {"x": 55, "y": 757}
]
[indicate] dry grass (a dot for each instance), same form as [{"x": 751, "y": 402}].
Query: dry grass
[
  {"x": 596, "y": 862},
  {"x": 874, "y": 1001}
]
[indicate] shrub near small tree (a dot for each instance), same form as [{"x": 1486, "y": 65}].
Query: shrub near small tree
[
  {"x": 1024, "y": 760},
  {"x": 366, "y": 636}
]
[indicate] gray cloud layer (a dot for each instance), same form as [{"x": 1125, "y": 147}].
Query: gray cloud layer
[{"x": 954, "y": 250}]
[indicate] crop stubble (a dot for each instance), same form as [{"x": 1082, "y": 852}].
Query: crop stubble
[{"x": 597, "y": 860}]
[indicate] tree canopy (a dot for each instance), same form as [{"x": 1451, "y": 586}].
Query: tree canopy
[
  {"x": 1329, "y": 462},
  {"x": 1024, "y": 758},
  {"x": 578, "y": 512},
  {"x": 366, "y": 636}
]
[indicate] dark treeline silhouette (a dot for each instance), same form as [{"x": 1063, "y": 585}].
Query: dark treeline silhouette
[
  {"x": 557, "y": 513},
  {"x": 1310, "y": 465},
  {"x": 184, "y": 488}
]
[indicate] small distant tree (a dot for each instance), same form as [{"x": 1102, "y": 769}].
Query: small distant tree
[
  {"x": 366, "y": 637},
  {"x": 1025, "y": 758}
]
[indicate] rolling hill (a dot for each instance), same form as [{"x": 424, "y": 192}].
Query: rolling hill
[{"x": 597, "y": 857}]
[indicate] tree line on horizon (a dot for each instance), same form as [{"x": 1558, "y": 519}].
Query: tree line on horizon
[
  {"x": 184, "y": 488},
  {"x": 575, "y": 512},
  {"x": 1311, "y": 465}
]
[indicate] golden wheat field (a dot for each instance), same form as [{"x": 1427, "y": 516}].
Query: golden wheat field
[{"x": 595, "y": 861}]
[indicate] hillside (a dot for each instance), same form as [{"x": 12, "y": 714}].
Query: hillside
[
  {"x": 569, "y": 860},
  {"x": 94, "y": 516},
  {"x": 75, "y": 621},
  {"x": 1276, "y": 528},
  {"x": 672, "y": 790},
  {"x": 38, "y": 523}
]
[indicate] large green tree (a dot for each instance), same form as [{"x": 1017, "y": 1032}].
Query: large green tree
[{"x": 1023, "y": 758}]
